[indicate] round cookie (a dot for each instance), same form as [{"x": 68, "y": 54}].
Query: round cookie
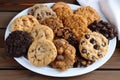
[
  {"x": 17, "y": 43},
  {"x": 42, "y": 31},
  {"x": 42, "y": 13},
  {"x": 65, "y": 55},
  {"x": 34, "y": 8},
  {"x": 24, "y": 23},
  {"x": 67, "y": 34},
  {"x": 93, "y": 46},
  {"x": 89, "y": 13},
  {"x": 53, "y": 23},
  {"x": 59, "y": 5},
  {"x": 63, "y": 12},
  {"x": 42, "y": 52},
  {"x": 78, "y": 25}
]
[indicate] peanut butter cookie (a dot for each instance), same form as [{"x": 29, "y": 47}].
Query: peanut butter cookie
[{"x": 24, "y": 23}]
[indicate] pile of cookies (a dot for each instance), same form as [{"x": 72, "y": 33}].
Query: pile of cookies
[{"x": 59, "y": 37}]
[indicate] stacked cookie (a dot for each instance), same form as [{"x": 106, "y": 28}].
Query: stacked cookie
[{"x": 58, "y": 36}]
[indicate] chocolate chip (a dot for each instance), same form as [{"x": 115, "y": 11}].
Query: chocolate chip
[
  {"x": 92, "y": 41},
  {"x": 100, "y": 54},
  {"x": 103, "y": 44},
  {"x": 60, "y": 57},
  {"x": 91, "y": 58},
  {"x": 84, "y": 51},
  {"x": 87, "y": 36},
  {"x": 82, "y": 42},
  {"x": 97, "y": 47},
  {"x": 104, "y": 28}
]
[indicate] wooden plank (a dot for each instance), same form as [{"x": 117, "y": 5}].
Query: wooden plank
[
  {"x": 2, "y": 33},
  {"x": 5, "y": 18},
  {"x": 7, "y": 62},
  {"x": 26, "y": 75},
  {"x": 22, "y": 4}
]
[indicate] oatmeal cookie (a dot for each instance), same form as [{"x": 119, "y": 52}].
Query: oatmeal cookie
[
  {"x": 60, "y": 5},
  {"x": 89, "y": 13},
  {"x": 24, "y": 23},
  {"x": 42, "y": 52},
  {"x": 65, "y": 55},
  {"x": 93, "y": 46},
  {"x": 17, "y": 43},
  {"x": 42, "y": 31},
  {"x": 53, "y": 23},
  {"x": 63, "y": 12},
  {"x": 77, "y": 24}
]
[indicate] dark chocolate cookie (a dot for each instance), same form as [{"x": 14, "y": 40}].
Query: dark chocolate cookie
[{"x": 17, "y": 43}]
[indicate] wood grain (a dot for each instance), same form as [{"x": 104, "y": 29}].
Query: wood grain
[
  {"x": 9, "y": 5},
  {"x": 28, "y": 75}
]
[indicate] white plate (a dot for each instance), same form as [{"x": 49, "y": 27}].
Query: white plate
[{"x": 46, "y": 70}]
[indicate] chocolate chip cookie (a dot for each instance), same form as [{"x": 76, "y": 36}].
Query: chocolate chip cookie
[
  {"x": 42, "y": 52},
  {"x": 65, "y": 55},
  {"x": 42, "y": 12},
  {"x": 42, "y": 31},
  {"x": 93, "y": 46}
]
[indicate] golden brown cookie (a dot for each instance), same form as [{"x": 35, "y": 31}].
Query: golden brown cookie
[
  {"x": 65, "y": 55},
  {"x": 42, "y": 12},
  {"x": 59, "y": 5},
  {"x": 34, "y": 8},
  {"x": 53, "y": 23},
  {"x": 89, "y": 13},
  {"x": 78, "y": 25},
  {"x": 42, "y": 31},
  {"x": 63, "y": 12},
  {"x": 24, "y": 23},
  {"x": 93, "y": 46},
  {"x": 42, "y": 52}
]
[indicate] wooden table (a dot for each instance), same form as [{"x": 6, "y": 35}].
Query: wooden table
[{"x": 10, "y": 69}]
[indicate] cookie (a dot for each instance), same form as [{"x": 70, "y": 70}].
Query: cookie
[
  {"x": 34, "y": 8},
  {"x": 89, "y": 13},
  {"x": 93, "y": 46},
  {"x": 59, "y": 5},
  {"x": 42, "y": 52},
  {"x": 65, "y": 55},
  {"x": 42, "y": 31},
  {"x": 67, "y": 34},
  {"x": 78, "y": 25},
  {"x": 42, "y": 13},
  {"x": 24, "y": 23},
  {"x": 17, "y": 43},
  {"x": 53, "y": 23},
  {"x": 63, "y": 12},
  {"x": 105, "y": 28}
]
